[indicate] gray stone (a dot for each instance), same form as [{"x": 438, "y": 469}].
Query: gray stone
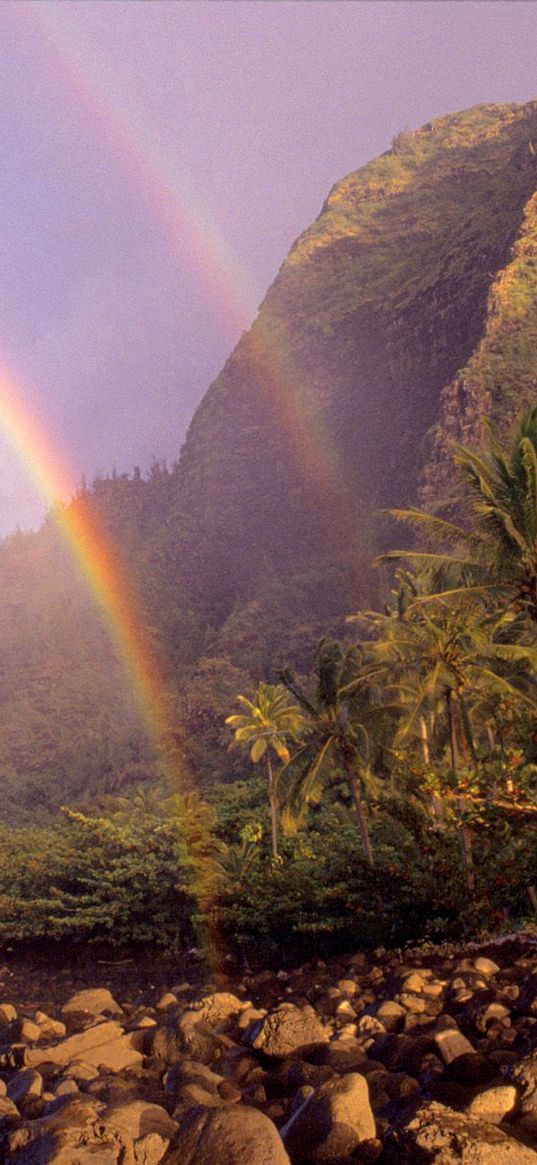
[
  {"x": 25, "y": 1085},
  {"x": 451, "y": 1044},
  {"x": 494, "y": 1104},
  {"x": 288, "y": 1031},
  {"x": 331, "y": 1123},
  {"x": 103, "y": 1045},
  {"x": 93, "y": 1002},
  {"x": 235, "y": 1135},
  {"x": 439, "y": 1136}
]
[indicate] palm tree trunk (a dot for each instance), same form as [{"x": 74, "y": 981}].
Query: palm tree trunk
[
  {"x": 273, "y": 808},
  {"x": 359, "y": 807},
  {"x": 435, "y": 801},
  {"x": 465, "y": 836}
]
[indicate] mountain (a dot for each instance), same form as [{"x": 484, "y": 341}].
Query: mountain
[
  {"x": 402, "y": 315},
  {"x": 401, "y": 318}
]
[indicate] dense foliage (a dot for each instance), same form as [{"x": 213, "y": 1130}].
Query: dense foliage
[{"x": 398, "y": 747}]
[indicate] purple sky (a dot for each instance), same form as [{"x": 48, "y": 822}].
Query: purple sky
[{"x": 255, "y": 109}]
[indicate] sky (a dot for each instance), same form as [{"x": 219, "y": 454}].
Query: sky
[{"x": 159, "y": 157}]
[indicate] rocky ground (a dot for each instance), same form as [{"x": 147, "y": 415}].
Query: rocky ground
[{"x": 396, "y": 1058}]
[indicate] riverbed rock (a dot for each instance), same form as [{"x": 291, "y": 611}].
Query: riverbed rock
[
  {"x": 103, "y": 1045},
  {"x": 331, "y": 1123},
  {"x": 436, "y": 1135},
  {"x": 236, "y": 1135},
  {"x": 288, "y": 1030}
]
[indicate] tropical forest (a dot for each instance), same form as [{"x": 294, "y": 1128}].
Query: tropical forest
[{"x": 270, "y": 809}]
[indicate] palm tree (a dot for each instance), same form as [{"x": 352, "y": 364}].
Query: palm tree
[
  {"x": 337, "y": 733},
  {"x": 496, "y": 557},
  {"x": 267, "y": 724},
  {"x": 450, "y": 655}
]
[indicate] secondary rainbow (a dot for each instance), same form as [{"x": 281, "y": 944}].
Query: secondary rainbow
[{"x": 192, "y": 231}]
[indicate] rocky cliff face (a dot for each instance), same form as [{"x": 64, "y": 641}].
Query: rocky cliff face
[{"x": 400, "y": 317}]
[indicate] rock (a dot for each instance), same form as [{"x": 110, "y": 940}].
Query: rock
[
  {"x": 451, "y": 1044},
  {"x": 288, "y": 1030},
  {"x": 81, "y": 1070},
  {"x": 494, "y": 1104},
  {"x": 391, "y": 1015},
  {"x": 92, "y": 1002},
  {"x": 437, "y": 1135},
  {"x": 50, "y": 1028},
  {"x": 167, "y": 1000},
  {"x": 347, "y": 987},
  {"x": 331, "y": 1123},
  {"x": 30, "y": 1032},
  {"x": 235, "y": 1135},
  {"x": 135, "y": 1121},
  {"x": 63, "y": 1137},
  {"x": 9, "y": 1114},
  {"x": 25, "y": 1085},
  {"x": 486, "y": 966},
  {"x": 8, "y": 1013},
  {"x": 219, "y": 1008},
  {"x": 66, "y": 1087},
  {"x": 185, "y": 1035},
  {"x": 103, "y": 1045}
]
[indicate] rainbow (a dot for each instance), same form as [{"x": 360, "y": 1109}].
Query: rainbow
[
  {"x": 101, "y": 567},
  {"x": 193, "y": 234}
]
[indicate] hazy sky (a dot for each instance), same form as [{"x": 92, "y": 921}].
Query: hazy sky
[{"x": 158, "y": 159}]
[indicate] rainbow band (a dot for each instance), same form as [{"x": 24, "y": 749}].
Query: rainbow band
[{"x": 101, "y": 567}]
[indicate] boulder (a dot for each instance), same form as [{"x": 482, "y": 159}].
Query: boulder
[
  {"x": 92, "y": 1002},
  {"x": 331, "y": 1123},
  {"x": 451, "y": 1044},
  {"x": 185, "y": 1035},
  {"x": 494, "y": 1104},
  {"x": 287, "y": 1030},
  {"x": 437, "y": 1135},
  {"x": 25, "y": 1085},
  {"x": 103, "y": 1045},
  {"x": 235, "y": 1135},
  {"x": 219, "y": 1008}
]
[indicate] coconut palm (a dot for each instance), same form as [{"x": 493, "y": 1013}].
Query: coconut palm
[
  {"x": 446, "y": 659},
  {"x": 495, "y": 556},
  {"x": 266, "y": 725},
  {"x": 335, "y": 733}
]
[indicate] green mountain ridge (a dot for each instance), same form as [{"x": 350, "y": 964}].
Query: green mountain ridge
[{"x": 405, "y": 314}]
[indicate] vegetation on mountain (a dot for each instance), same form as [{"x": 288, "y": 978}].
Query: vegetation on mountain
[{"x": 402, "y": 318}]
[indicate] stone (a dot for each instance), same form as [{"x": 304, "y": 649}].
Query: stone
[
  {"x": 219, "y": 1008},
  {"x": 167, "y": 1000},
  {"x": 137, "y": 1118},
  {"x": 50, "y": 1028},
  {"x": 288, "y": 1030},
  {"x": 486, "y": 966},
  {"x": 25, "y": 1085},
  {"x": 451, "y": 1044},
  {"x": 9, "y": 1114},
  {"x": 439, "y": 1136},
  {"x": 8, "y": 1013},
  {"x": 347, "y": 987},
  {"x": 494, "y": 1104},
  {"x": 391, "y": 1015},
  {"x": 331, "y": 1123},
  {"x": 81, "y": 1070},
  {"x": 92, "y": 1002},
  {"x": 66, "y": 1087},
  {"x": 185, "y": 1035},
  {"x": 30, "y": 1032},
  {"x": 103, "y": 1045},
  {"x": 234, "y": 1135},
  {"x": 344, "y": 1054}
]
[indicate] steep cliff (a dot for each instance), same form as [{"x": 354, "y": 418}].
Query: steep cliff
[{"x": 420, "y": 264}]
